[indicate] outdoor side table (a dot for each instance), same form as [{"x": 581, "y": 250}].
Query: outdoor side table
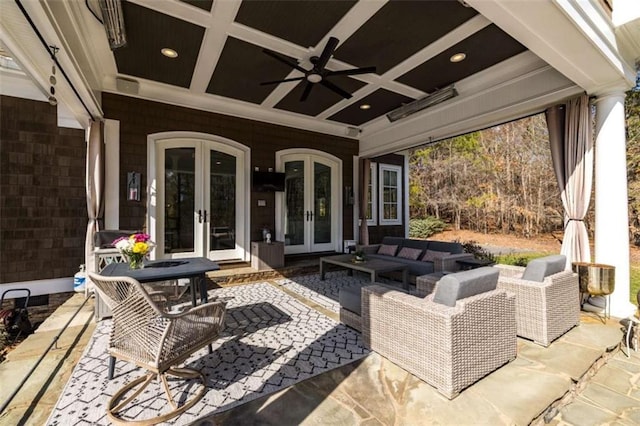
[{"x": 596, "y": 279}]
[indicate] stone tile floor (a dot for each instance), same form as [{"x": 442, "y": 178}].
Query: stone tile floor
[{"x": 581, "y": 379}]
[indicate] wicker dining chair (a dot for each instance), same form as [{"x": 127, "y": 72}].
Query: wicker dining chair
[{"x": 158, "y": 341}]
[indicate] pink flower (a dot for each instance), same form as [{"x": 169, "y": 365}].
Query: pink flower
[{"x": 141, "y": 238}]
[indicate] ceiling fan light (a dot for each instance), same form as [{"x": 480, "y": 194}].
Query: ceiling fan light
[{"x": 314, "y": 78}]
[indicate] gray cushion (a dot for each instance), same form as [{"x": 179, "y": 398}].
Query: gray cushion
[
  {"x": 349, "y": 298},
  {"x": 416, "y": 244},
  {"x": 416, "y": 267},
  {"x": 539, "y": 269},
  {"x": 453, "y": 287},
  {"x": 453, "y": 248},
  {"x": 393, "y": 241}
]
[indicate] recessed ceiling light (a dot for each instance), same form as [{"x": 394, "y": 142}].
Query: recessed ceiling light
[
  {"x": 458, "y": 57},
  {"x": 365, "y": 106},
  {"x": 169, "y": 53},
  {"x": 218, "y": 162}
]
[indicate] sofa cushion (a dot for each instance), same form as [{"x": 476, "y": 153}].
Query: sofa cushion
[
  {"x": 432, "y": 255},
  {"x": 422, "y": 245},
  {"x": 415, "y": 267},
  {"x": 387, "y": 250},
  {"x": 349, "y": 298},
  {"x": 451, "y": 247},
  {"x": 393, "y": 241},
  {"x": 409, "y": 253},
  {"x": 453, "y": 287},
  {"x": 539, "y": 269}
]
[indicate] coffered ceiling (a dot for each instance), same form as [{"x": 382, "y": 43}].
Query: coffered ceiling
[{"x": 221, "y": 63}]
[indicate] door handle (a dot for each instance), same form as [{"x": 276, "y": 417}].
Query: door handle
[
  {"x": 310, "y": 215},
  {"x": 205, "y": 216},
  {"x": 199, "y": 216},
  {"x": 307, "y": 216}
]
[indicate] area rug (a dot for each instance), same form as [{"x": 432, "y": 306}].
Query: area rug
[
  {"x": 326, "y": 293},
  {"x": 270, "y": 341}
]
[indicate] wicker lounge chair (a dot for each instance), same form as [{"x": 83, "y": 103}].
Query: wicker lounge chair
[
  {"x": 547, "y": 302},
  {"x": 155, "y": 340},
  {"x": 449, "y": 347}
]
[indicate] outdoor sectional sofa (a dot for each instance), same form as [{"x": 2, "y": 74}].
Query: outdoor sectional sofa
[{"x": 421, "y": 256}]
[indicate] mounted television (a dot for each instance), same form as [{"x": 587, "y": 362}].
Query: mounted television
[{"x": 268, "y": 181}]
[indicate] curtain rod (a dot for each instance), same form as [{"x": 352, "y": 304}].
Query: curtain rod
[{"x": 46, "y": 46}]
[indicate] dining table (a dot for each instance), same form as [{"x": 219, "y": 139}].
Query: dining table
[{"x": 193, "y": 268}]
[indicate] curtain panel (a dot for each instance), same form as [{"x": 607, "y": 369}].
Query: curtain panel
[
  {"x": 365, "y": 167},
  {"x": 571, "y": 143},
  {"x": 94, "y": 188}
]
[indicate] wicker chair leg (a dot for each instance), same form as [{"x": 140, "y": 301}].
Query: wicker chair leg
[{"x": 185, "y": 373}]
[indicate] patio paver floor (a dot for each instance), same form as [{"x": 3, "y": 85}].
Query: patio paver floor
[{"x": 374, "y": 391}]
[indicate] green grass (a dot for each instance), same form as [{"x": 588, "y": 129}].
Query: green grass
[
  {"x": 519, "y": 259},
  {"x": 634, "y": 275}
]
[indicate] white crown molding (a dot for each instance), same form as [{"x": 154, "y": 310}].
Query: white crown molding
[{"x": 163, "y": 93}]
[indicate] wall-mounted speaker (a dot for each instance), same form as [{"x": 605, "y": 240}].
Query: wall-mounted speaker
[
  {"x": 127, "y": 85},
  {"x": 352, "y": 131}
]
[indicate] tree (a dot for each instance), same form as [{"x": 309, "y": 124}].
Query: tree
[{"x": 632, "y": 112}]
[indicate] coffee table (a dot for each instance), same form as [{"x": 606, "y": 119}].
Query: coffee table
[{"x": 372, "y": 267}]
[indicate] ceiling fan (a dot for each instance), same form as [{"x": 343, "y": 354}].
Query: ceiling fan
[{"x": 318, "y": 73}]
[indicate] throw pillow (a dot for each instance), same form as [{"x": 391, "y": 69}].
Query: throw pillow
[
  {"x": 432, "y": 256},
  {"x": 387, "y": 250},
  {"x": 409, "y": 253}
]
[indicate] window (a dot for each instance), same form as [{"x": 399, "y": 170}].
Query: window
[
  {"x": 390, "y": 190},
  {"x": 372, "y": 213}
]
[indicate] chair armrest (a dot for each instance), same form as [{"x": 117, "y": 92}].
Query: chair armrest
[
  {"x": 368, "y": 249},
  {"x": 450, "y": 262}
]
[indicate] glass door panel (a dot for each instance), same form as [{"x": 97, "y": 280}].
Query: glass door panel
[
  {"x": 322, "y": 203},
  {"x": 294, "y": 205},
  {"x": 222, "y": 201},
  {"x": 179, "y": 197}
]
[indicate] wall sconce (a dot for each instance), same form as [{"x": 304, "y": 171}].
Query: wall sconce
[{"x": 133, "y": 186}]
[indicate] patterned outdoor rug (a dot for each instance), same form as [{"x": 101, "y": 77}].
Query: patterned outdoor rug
[
  {"x": 325, "y": 293},
  {"x": 271, "y": 341}
]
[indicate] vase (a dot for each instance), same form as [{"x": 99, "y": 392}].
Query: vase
[{"x": 135, "y": 263}]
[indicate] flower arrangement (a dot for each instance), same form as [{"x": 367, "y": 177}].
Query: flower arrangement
[
  {"x": 134, "y": 248},
  {"x": 359, "y": 256}
]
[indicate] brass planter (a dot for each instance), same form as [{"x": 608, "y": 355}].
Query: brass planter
[{"x": 595, "y": 278}]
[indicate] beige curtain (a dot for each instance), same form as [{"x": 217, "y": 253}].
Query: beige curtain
[
  {"x": 365, "y": 167},
  {"x": 95, "y": 188},
  {"x": 571, "y": 140}
]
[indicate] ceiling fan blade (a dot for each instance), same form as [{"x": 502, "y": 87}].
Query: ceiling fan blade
[
  {"x": 284, "y": 60},
  {"x": 281, "y": 81},
  {"x": 332, "y": 43},
  {"x": 354, "y": 71},
  {"x": 330, "y": 85},
  {"x": 307, "y": 90}
]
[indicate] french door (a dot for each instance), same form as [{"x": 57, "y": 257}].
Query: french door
[
  {"x": 200, "y": 200},
  {"x": 309, "y": 209}
]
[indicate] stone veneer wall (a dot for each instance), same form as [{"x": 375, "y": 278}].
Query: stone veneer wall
[{"x": 43, "y": 211}]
